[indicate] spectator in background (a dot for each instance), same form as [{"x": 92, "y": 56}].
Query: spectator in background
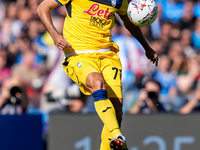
[
  {"x": 193, "y": 104},
  {"x": 176, "y": 57},
  {"x": 188, "y": 19},
  {"x": 187, "y": 81},
  {"x": 148, "y": 101},
  {"x": 12, "y": 50},
  {"x": 29, "y": 74},
  {"x": 71, "y": 100},
  {"x": 169, "y": 96},
  {"x": 158, "y": 47},
  {"x": 24, "y": 44},
  {"x": 4, "y": 71},
  {"x": 196, "y": 35},
  {"x": 156, "y": 25},
  {"x": 164, "y": 76},
  {"x": 2, "y": 14},
  {"x": 165, "y": 36},
  {"x": 186, "y": 43},
  {"x": 6, "y": 35},
  {"x": 173, "y": 10},
  {"x": 13, "y": 98},
  {"x": 76, "y": 105},
  {"x": 197, "y": 9}
]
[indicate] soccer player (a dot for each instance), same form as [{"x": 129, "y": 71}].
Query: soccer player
[{"x": 91, "y": 58}]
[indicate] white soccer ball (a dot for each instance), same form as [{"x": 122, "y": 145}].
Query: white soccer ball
[{"x": 142, "y": 12}]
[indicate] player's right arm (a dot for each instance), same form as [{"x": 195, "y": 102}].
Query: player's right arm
[{"x": 43, "y": 11}]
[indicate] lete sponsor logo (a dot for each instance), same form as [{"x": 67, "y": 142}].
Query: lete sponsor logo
[{"x": 95, "y": 10}]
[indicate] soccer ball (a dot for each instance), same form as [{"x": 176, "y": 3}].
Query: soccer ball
[{"x": 142, "y": 12}]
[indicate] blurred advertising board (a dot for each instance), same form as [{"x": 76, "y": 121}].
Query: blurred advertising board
[
  {"x": 143, "y": 132},
  {"x": 21, "y": 132}
]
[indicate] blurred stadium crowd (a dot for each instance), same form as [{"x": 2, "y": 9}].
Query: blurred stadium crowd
[{"x": 33, "y": 81}]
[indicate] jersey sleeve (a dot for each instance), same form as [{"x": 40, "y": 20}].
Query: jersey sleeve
[
  {"x": 62, "y": 2},
  {"x": 123, "y": 9}
]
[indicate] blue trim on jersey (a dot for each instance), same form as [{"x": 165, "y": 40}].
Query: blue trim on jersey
[
  {"x": 100, "y": 95},
  {"x": 58, "y": 2},
  {"x": 117, "y": 1}
]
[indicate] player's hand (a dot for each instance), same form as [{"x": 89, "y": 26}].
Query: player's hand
[
  {"x": 61, "y": 42},
  {"x": 152, "y": 55}
]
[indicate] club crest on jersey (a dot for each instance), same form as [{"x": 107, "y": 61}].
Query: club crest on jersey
[
  {"x": 113, "y": 2},
  {"x": 79, "y": 64}
]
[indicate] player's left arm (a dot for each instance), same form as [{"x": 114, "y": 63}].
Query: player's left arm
[{"x": 137, "y": 33}]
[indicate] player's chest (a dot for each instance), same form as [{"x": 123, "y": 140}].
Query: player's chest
[
  {"x": 101, "y": 8},
  {"x": 115, "y": 4}
]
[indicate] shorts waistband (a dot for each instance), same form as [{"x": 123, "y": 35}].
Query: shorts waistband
[{"x": 88, "y": 51}]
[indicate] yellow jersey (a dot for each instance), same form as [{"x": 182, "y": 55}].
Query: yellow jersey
[{"x": 88, "y": 23}]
